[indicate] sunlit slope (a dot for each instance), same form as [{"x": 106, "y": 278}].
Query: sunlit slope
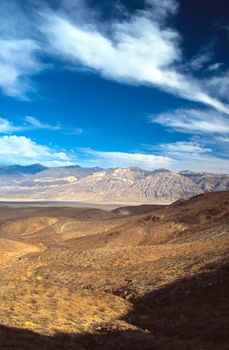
[{"x": 156, "y": 279}]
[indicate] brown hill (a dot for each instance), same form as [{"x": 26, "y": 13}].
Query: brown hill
[
  {"x": 12, "y": 249},
  {"x": 92, "y": 279},
  {"x": 199, "y": 218}
]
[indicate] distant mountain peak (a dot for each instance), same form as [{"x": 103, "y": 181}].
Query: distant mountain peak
[
  {"x": 75, "y": 166},
  {"x": 97, "y": 184},
  {"x": 17, "y": 169},
  {"x": 161, "y": 170}
]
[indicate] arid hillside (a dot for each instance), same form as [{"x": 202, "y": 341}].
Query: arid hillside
[
  {"x": 147, "y": 277},
  {"x": 97, "y": 185}
]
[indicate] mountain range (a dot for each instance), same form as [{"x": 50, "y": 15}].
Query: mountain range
[{"x": 105, "y": 185}]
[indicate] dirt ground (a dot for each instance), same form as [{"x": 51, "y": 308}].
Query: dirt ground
[{"x": 76, "y": 278}]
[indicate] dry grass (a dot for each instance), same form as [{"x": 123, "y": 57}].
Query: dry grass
[
  {"x": 11, "y": 250},
  {"x": 157, "y": 280}
]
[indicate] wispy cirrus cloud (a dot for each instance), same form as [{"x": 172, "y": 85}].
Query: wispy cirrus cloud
[
  {"x": 91, "y": 157},
  {"x": 224, "y": 139},
  {"x": 37, "y": 124},
  {"x": 29, "y": 123},
  {"x": 178, "y": 156},
  {"x": 206, "y": 121},
  {"x": 184, "y": 147},
  {"x": 214, "y": 66},
  {"x": 201, "y": 60},
  {"x": 192, "y": 156},
  {"x": 219, "y": 83},
  {"x": 200, "y": 162},
  {"x": 141, "y": 50},
  {"x": 18, "y": 62},
  {"x": 74, "y": 131},
  {"x": 32, "y": 123}
]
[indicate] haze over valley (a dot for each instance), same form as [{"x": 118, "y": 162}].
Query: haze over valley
[{"x": 97, "y": 185}]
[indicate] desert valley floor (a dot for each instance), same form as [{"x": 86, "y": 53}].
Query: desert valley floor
[{"x": 147, "y": 277}]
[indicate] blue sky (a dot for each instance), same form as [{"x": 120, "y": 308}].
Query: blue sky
[{"x": 115, "y": 83}]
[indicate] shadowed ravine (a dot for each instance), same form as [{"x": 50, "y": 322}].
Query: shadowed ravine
[
  {"x": 191, "y": 313},
  {"x": 76, "y": 278}
]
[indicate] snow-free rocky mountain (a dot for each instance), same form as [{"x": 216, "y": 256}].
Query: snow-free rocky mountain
[{"x": 105, "y": 185}]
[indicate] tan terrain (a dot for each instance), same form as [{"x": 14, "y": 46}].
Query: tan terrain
[{"x": 147, "y": 277}]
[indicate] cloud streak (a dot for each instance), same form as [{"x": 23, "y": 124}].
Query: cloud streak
[
  {"x": 6, "y": 127},
  {"x": 123, "y": 159},
  {"x": 204, "y": 121},
  {"x": 140, "y": 50},
  {"x": 18, "y": 61},
  {"x": 176, "y": 156},
  {"x": 182, "y": 147},
  {"x": 35, "y": 123},
  {"x": 31, "y": 123},
  {"x": 190, "y": 155}
]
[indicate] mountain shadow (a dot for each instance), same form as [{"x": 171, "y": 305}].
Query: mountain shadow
[
  {"x": 188, "y": 314},
  {"x": 193, "y": 310}
]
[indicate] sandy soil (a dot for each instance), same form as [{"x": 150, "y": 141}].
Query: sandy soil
[{"x": 81, "y": 278}]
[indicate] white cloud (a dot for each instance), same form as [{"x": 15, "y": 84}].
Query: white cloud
[
  {"x": 35, "y": 123},
  {"x": 31, "y": 123},
  {"x": 223, "y": 139},
  {"x": 194, "y": 121},
  {"x": 140, "y": 50},
  {"x": 17, "y": 62},
  {"x": 184, "y": 147},
  {"x": 200, "y": 61},
  {"x": 140, "y": 39},
  {"x": 6, "y": 127},
  {"x": 175, "y": 156},
  {"x": 74, "y": 131},
  {"x": 123, "y": 159},
  {"x": 23, "y": 150},
  {"x": 20, "y": 49},
  {"x": 202, "y": 162},
  {"x": 193, "y": 156},
  {"x": 215, "y": 66},
  {"x": 203, "y": 60},
  {"x": 219, "y": 84},
  {"x": 159, "y": 11}
]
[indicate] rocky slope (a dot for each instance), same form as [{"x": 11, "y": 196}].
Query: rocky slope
[
  {"x": 76, "y": 278},
  {"x": 208, "y": 182},
  {"x": 105, "y": 185}
]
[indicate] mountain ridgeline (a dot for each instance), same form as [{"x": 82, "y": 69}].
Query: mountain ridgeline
[{"x": 105, "y": 185}]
